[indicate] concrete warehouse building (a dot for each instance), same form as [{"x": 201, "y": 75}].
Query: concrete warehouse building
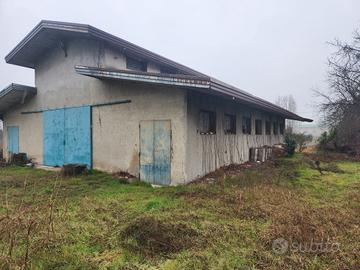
[{"x": 102, "y": 101}]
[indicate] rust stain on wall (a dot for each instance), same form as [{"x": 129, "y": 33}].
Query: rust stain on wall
[{"x": 134, "y": 163}]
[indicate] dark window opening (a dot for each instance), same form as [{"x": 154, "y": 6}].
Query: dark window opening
[
  {"x": 282, "y": 128},
  {"x": 134, "y": 64},
  {"x": 168, "y": 70},
  {"x": 246, "y": 125},
  {"x": 276, "y": 128},
  {"x": 230, "y": 124},
  {"x": 258, "y": 127},
  {"x": 207, "y": 122},
  {"x": 267, "y": 127}
]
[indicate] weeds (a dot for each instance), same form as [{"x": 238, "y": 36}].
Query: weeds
[
  {"x": 96, "y": 221},
  {"x": 25, "y": 230}
]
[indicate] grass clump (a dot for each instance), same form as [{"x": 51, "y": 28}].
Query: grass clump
[{"x": 151, "y": 236}]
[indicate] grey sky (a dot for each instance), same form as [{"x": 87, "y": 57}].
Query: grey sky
[{"x": 268, "y": 48}]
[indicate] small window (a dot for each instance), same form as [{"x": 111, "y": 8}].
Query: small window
[
  {"x": 246, "y": 125},
  {"x": 134, "y": 64},
  {"x": 168, "y": 70},
  {"x": 258, "y": 127},
  {"x": 207, "y": 122},
  {"x": 267, "y": 127},
  {"x": 275, "y": 128},
  {"x": 282, "y": 128},
  {"x": 230, "y": 124}
]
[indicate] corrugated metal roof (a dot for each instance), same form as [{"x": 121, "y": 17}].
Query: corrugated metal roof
[
  {"x": 15, "y": 94},
  {"x": 193, "y": 82}
]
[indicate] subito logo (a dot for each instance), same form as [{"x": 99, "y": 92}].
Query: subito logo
[{"x": 280, "y": 246}]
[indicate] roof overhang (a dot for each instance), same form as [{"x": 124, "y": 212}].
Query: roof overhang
[
  {"x": 201, "y": 83},
  {"x": 50, "y": 34},
  {"x": 145, "y": 77},
  {"x": 13, "y": 95}
]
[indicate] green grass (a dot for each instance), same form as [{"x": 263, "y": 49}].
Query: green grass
[{"x": 96, "y": 221}]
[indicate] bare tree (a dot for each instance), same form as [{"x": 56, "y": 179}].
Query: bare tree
[
  {"x": 287, "y": 102},
  {"x": 340, "y": 105}
]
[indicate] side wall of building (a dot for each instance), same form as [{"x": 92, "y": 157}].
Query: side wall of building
[
  {"x": 30, "y": 132},
  {"x": 206, "y": 153},
  {"x": 115, "y": 129}
]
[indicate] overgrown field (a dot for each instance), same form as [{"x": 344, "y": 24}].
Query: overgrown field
[{"x": 97, "y": 221}]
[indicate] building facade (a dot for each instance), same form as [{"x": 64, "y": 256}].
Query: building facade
[{"x": 107, "y": 103}]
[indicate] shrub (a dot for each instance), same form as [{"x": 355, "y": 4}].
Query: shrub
[
  {"x": 326, "y": 139},
  {"x": 290, "y": 144}
]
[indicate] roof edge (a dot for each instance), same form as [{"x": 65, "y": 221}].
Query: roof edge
[
  {"x": 49, "y": 25},
  {"x": 243, "y": 95},
  {"x": 145, "y": 77},
  {"x": 17, "y": 87},
  {"x": 188, "y": 81},
  {"x": 193, "y": 75},
  {"x": 102, "y": 35}
]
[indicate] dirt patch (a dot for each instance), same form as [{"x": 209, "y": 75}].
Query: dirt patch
[
  {"x": 233, "y": 169},
  {"x": 124, "y": 175},
  {"x": 224, "y": 183},
  {"x": 151, "y": 236},
  {"x": 69, "y": 170},
  {"x": 237, "y": 170}
]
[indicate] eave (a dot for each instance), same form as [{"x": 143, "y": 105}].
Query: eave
[
  {"x": 49, "y": 34},
  {"x": 15, "y": 94},
  {"x": 210, "y": 85}
]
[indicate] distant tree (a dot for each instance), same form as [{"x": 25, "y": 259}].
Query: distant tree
[
  {"x": 340, "y": 105},
  {"x": 302, "y": 140},
  {"x": 287, "y": 102}
]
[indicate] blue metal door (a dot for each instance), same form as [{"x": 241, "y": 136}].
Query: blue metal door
[
  {"x": 67, "y": 136},
  {"x": 13, "y": 140},
  {"x": 77, "y": 136},
  {"x": 155, "y": 148},
  {"x": 54, "y": 137}
]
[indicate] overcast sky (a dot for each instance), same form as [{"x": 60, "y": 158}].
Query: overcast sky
[{"x": 268, "y": 48}]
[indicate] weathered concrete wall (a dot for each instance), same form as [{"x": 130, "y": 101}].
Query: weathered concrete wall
[
  {"x": 116, "y": 127},
  {"x": 30, "y": 132},
  {"x": 206, "y": 153}
]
